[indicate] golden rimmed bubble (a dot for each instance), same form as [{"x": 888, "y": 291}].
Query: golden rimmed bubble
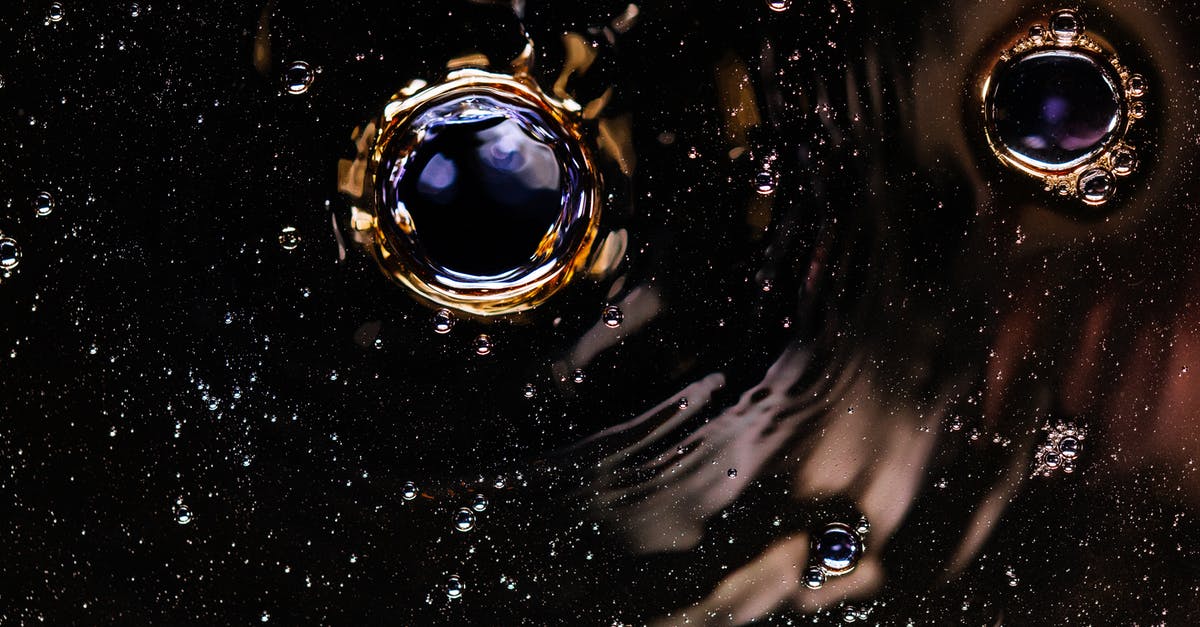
[
  {"x": 1058, "y": 105},
  {"x": 477, "y": 193}
]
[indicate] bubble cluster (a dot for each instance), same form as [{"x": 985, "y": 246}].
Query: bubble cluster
[
  {"x": 1060, "y": 451},
  {"x": 1059, "y": 105}
]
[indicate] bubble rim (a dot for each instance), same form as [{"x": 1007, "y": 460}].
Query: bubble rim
[
  {"x": 537, "y": 283},
  {"x": 1065, "y": 181}
]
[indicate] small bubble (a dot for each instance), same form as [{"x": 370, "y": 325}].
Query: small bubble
[
  {"x": 683, "y": 403},
  {"x": 135, "y": 10},
  {"x": 764, "y": 182},
  {"x": 43, "y": 204},
  {"x": 814, "y": 577},
  {"x": 464, "y": 519},
  {"x": 1066, "y": 26},
  {"x": 56, "y": 12},
  {"x": 443, "y": 321},
  {"x": 454, "y": 587},
  {"x": 612, "y": 316},
  {"x": 779, "y": 6},
  {"x": 298, "y": 77},
  {"x": 480, "y": 503},
  {"x": 289, "y": 238},
  {"x": 265, "y": 617},
  {"x": 1037, "y": 32},
  {"x": 731, "y": 473},
  {"x": 1124, "y": 161},
  {"x": 183, "y": 515},
  {"x": 1137, "y": 109},
  {"x": 1095, "y": 186},
  {"x": 483, "y": 345},
  {"x": 578, "y": 376},
  {"x": 837, "y": 548},
  {"x": 499, "y": 483},
  {"x": 409, "y": 491},
  {"x": 1137, "y": 85},
  {"x": 529, "y": 390},
  {"x": 10, "y": 254},
  {"x": 1068, "y": 447}
]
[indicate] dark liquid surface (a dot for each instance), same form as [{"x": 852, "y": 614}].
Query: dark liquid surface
[{"x": 199, "y": 426}]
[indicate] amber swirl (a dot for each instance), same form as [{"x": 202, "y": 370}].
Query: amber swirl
[
  {"x": 1058, "y": 105},
  {"x": 478, "y": 193}
]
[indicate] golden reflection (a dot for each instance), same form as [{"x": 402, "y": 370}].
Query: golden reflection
[{"x": 562, "y": 253}]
